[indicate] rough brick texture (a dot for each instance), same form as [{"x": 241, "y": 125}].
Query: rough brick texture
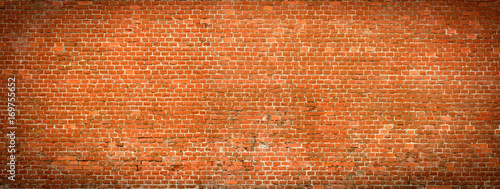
[{"x": 313, "y": 94}]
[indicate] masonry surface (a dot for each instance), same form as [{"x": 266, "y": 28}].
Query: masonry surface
[{"x": 256, "y": 94}]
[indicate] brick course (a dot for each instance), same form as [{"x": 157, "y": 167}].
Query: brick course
[{"x": 259, "y": 94}]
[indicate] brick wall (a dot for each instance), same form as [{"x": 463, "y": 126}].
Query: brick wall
[{"x": 361, "y": 93}]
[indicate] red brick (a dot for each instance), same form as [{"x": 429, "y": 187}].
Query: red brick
[
  {"x": 66, "y": 158},
  {"x": 255, "y": 94},
  {"x": 85, "y": 2},
  {"x": 57, "y": 48},
  {"x": 97, "y": 167},
  {"x": 74, "y": 81},
  {"x": 414, "y": 72}
]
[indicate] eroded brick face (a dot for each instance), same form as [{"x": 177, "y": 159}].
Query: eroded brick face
[{"x": 157, "y": 94}]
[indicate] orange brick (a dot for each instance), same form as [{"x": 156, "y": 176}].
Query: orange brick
[
  {"x": 231, "y": 182},
  {"x": 229, "y": 40}
]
